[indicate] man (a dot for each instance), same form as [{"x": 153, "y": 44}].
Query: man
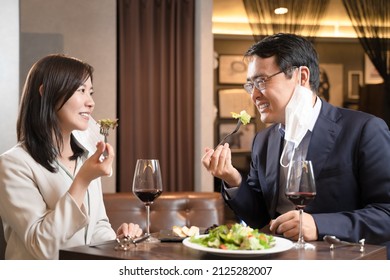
[{"x": 350, "y": 151}]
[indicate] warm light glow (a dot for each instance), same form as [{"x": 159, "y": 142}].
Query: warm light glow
[
  {"x": 281, "y": 11},
  {"x": 230, "y": 19}
]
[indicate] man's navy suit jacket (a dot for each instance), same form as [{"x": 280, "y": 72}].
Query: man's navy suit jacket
[{"x": 350, "y": 152}]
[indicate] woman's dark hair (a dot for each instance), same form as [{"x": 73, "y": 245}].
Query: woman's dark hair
[
  {"x": 49, "y": 84},
  {"x": 289, "y": 50}
]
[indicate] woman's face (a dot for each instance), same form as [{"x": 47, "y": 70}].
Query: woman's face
[{"x": 75, "y": 113}]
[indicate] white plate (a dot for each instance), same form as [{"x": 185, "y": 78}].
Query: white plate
[{"x": 281, "y": 245}]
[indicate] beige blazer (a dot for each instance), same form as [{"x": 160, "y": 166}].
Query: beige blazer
[{"x": 39, "y": 216}]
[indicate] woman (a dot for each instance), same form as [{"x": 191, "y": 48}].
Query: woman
[{"x": 50, "y": 188}]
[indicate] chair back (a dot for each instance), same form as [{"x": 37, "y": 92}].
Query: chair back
[
  {"x": 174, "y": 208},
  {"x": 2, "y": 241}
]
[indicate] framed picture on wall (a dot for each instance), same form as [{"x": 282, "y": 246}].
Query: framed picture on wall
[
  {"x": 331, "y": 83},
  {"x": 355, "y": 80},
  {"x": 371, "y": 75},
  {"x": 232, "y": 69},
  {"x": 234, "y": 100},
  {"x": 241, "y": 141}
]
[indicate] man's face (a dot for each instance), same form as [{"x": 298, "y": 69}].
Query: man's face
[{"x": 272, "y": 100}]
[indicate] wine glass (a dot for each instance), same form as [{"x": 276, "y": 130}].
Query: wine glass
[
  {"x": 300, "y": 190},
  {"x": 147, "y": 186}
]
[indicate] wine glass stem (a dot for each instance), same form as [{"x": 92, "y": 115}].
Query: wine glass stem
[
  {"x": 300, "y": 236},
  {"x": 147, "y": 219}
]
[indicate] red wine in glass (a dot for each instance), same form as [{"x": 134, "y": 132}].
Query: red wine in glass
[
  {"x": 147, "y": 196},
  {"x": 147, "y": 186},
  {"x": 301, "y": 189},
  {"x": 300, "y": 199}
]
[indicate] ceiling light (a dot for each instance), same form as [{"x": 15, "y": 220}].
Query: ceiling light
[{"x": 281, "y": 11}]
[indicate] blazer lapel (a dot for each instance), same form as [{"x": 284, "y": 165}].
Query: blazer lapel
[
  {"x": 272, "y": 171},
  {"x": 323, "y": 137}
]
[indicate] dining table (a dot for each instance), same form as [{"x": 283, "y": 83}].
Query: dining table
[{"x": 176, "y": 250}]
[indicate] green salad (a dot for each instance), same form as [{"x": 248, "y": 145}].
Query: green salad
[
  {"x": 244, "y": 117},
  {"x": 235, "y": 237}
]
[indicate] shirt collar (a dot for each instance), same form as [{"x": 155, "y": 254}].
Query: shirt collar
[{"x": 82, "y": 146}]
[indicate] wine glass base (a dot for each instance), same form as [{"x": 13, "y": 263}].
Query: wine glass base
[
  {"x": 151, "y": 239},
  {"x": 304, "y": 246}
]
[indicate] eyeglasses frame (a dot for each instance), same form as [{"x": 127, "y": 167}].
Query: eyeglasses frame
[{"x": 262, "y": 81}]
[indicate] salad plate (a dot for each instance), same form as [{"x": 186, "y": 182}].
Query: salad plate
[{"x": 281, "y": 245}]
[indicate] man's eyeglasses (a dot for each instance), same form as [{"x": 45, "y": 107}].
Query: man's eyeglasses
[{"x": 260, "y": 82}]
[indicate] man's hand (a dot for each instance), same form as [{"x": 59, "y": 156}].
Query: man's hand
[
  {"x": 288, "y": 226},
  {"x": 219, "y": 163}
]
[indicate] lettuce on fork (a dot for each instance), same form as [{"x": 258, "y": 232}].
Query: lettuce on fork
[
  {"x": 105, "y": 125},
  {"x": 108, "y": 123},
  {"x": 244, "y": 117}
]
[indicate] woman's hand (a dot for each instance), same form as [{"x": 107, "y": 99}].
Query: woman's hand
[
  {"x": 92, "y": 168},
  {"x": 130, "y": 230}
]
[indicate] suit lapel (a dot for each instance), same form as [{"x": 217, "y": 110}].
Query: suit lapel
[
  {"x": 272, "y": 172},
  {"x": 323, "y": 137}
]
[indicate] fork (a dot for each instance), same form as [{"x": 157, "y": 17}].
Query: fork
[
  {"x": 125, "y": 243},
  {"x": 333, "y": 240},
  {"x": 104, "y": 132},
  {"x": 223, "y": 141}
]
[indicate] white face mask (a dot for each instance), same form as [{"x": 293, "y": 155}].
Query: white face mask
[{"x": 299, "y": 111}]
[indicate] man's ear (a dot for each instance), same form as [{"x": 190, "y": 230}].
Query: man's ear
[
  {"x": 305, "y": 76},
  {"x": 41, "y": 90}
]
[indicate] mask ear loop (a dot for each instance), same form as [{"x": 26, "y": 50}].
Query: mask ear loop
[
  {"x": 283, "y": 155},
  {"x": 285, "y": 145},
  {"x": 299, "y": 75}
]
